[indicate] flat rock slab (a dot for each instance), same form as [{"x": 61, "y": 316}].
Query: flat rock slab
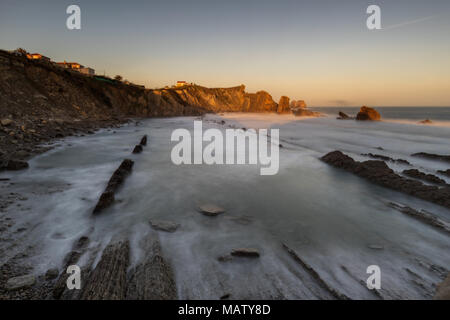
[
  {"x": 163, "y": 225},
  {"x": 21, "y": 282},
  {"x": 210, "y": 210},
  {"x": 375, "y": 246},
  {"x": 245, "y": 252}
]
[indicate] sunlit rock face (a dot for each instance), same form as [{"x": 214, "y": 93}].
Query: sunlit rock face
[
  {"x": 298, "y": 104},
  {"x": 366, "y": 113},
  {"x": 283, "y": 105},
  {"x": 37, "y": 87}
]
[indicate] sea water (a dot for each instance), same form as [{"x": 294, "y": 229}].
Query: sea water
[{"x": 331, "y": 218}]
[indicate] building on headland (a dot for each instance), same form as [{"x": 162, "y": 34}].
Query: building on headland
[
  {"x": 77, "y": 67},
  {"x": 88, "y": 71},
  {"x": 37, "y": 56},
  {"x": 70, "y": 65},
  {"x": 181, "y": 83}
]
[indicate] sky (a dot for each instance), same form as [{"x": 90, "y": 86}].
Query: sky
[{"x": 320, "y": 51}]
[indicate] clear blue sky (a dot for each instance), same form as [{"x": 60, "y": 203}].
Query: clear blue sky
[{"x": 320, "y": 50}]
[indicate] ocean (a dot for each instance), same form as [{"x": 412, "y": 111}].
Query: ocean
[
  {"x": 413, "y": 114},
  {"x": 338, "y": 223}
]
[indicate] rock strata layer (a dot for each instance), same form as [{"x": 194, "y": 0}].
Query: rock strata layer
[{"x": 378, "y": 172}]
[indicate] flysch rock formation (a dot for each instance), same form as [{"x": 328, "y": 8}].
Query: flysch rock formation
[{"x": 378, "y": 172}]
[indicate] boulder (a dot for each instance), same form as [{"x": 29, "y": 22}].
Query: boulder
[
  {"x": 51, "y": 274},
  {"x": 210, "y": 210},
  {"x": 163, "y": 225},
  {"x": 344, "y": 116},
  {"x": 21, "y": 282},
  {"x": 6, "y": 122},
  {"x": 245, "y": 252},
  {"x": 366, "y": 113},
  {"x": 283, "y": 105}
]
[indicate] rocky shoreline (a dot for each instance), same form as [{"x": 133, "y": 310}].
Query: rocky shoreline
[{"x": 379, "y": 173}]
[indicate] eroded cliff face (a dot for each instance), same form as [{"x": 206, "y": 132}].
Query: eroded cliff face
[{"x": 30, "y": 88}]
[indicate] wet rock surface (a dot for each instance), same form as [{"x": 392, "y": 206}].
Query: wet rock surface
[
  {"x": 422, "y": 215},
  {"x": 153, "y": 278},
  {"x": 138, "y": 149},
  {"x": 444, "y": 172},
  {"x": 378, "y": 172},
  {"x": 117, "y": 179},
  {"x": 386, "y": 158},
  {"x": 414, "y": 173},
  {"x": 344, "y": 116},
  {"x": 432, "y": 156}
]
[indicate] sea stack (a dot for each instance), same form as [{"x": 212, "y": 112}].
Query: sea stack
[
  {"x": 283, "y": 105},
  {"x": 366, "y": 113}
]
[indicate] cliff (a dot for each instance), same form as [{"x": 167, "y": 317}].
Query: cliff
[
  {"x": 40, "y": 101},
  {"x": 41, "y": 88}
]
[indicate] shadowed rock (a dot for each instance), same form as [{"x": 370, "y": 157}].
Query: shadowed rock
[
  {"x": 414, "y": 173},
  {"x": 378, "y": 172},
  {"x": 366, "y": 113},
  {"x": 386, "y": 158},
  {"x": 445, "y": 173},
  {"x": 118, "y": 177},
  {"x": 60, "y": 290},
  {"x": 108, "y": 280},
  {"x": 143, "y": 141},
  {"x": 432, "y": 156},
  {"x": 344, "y": 116},
  {"x": 14, "y": 165},
  {"x": 137, "y": 149}
]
